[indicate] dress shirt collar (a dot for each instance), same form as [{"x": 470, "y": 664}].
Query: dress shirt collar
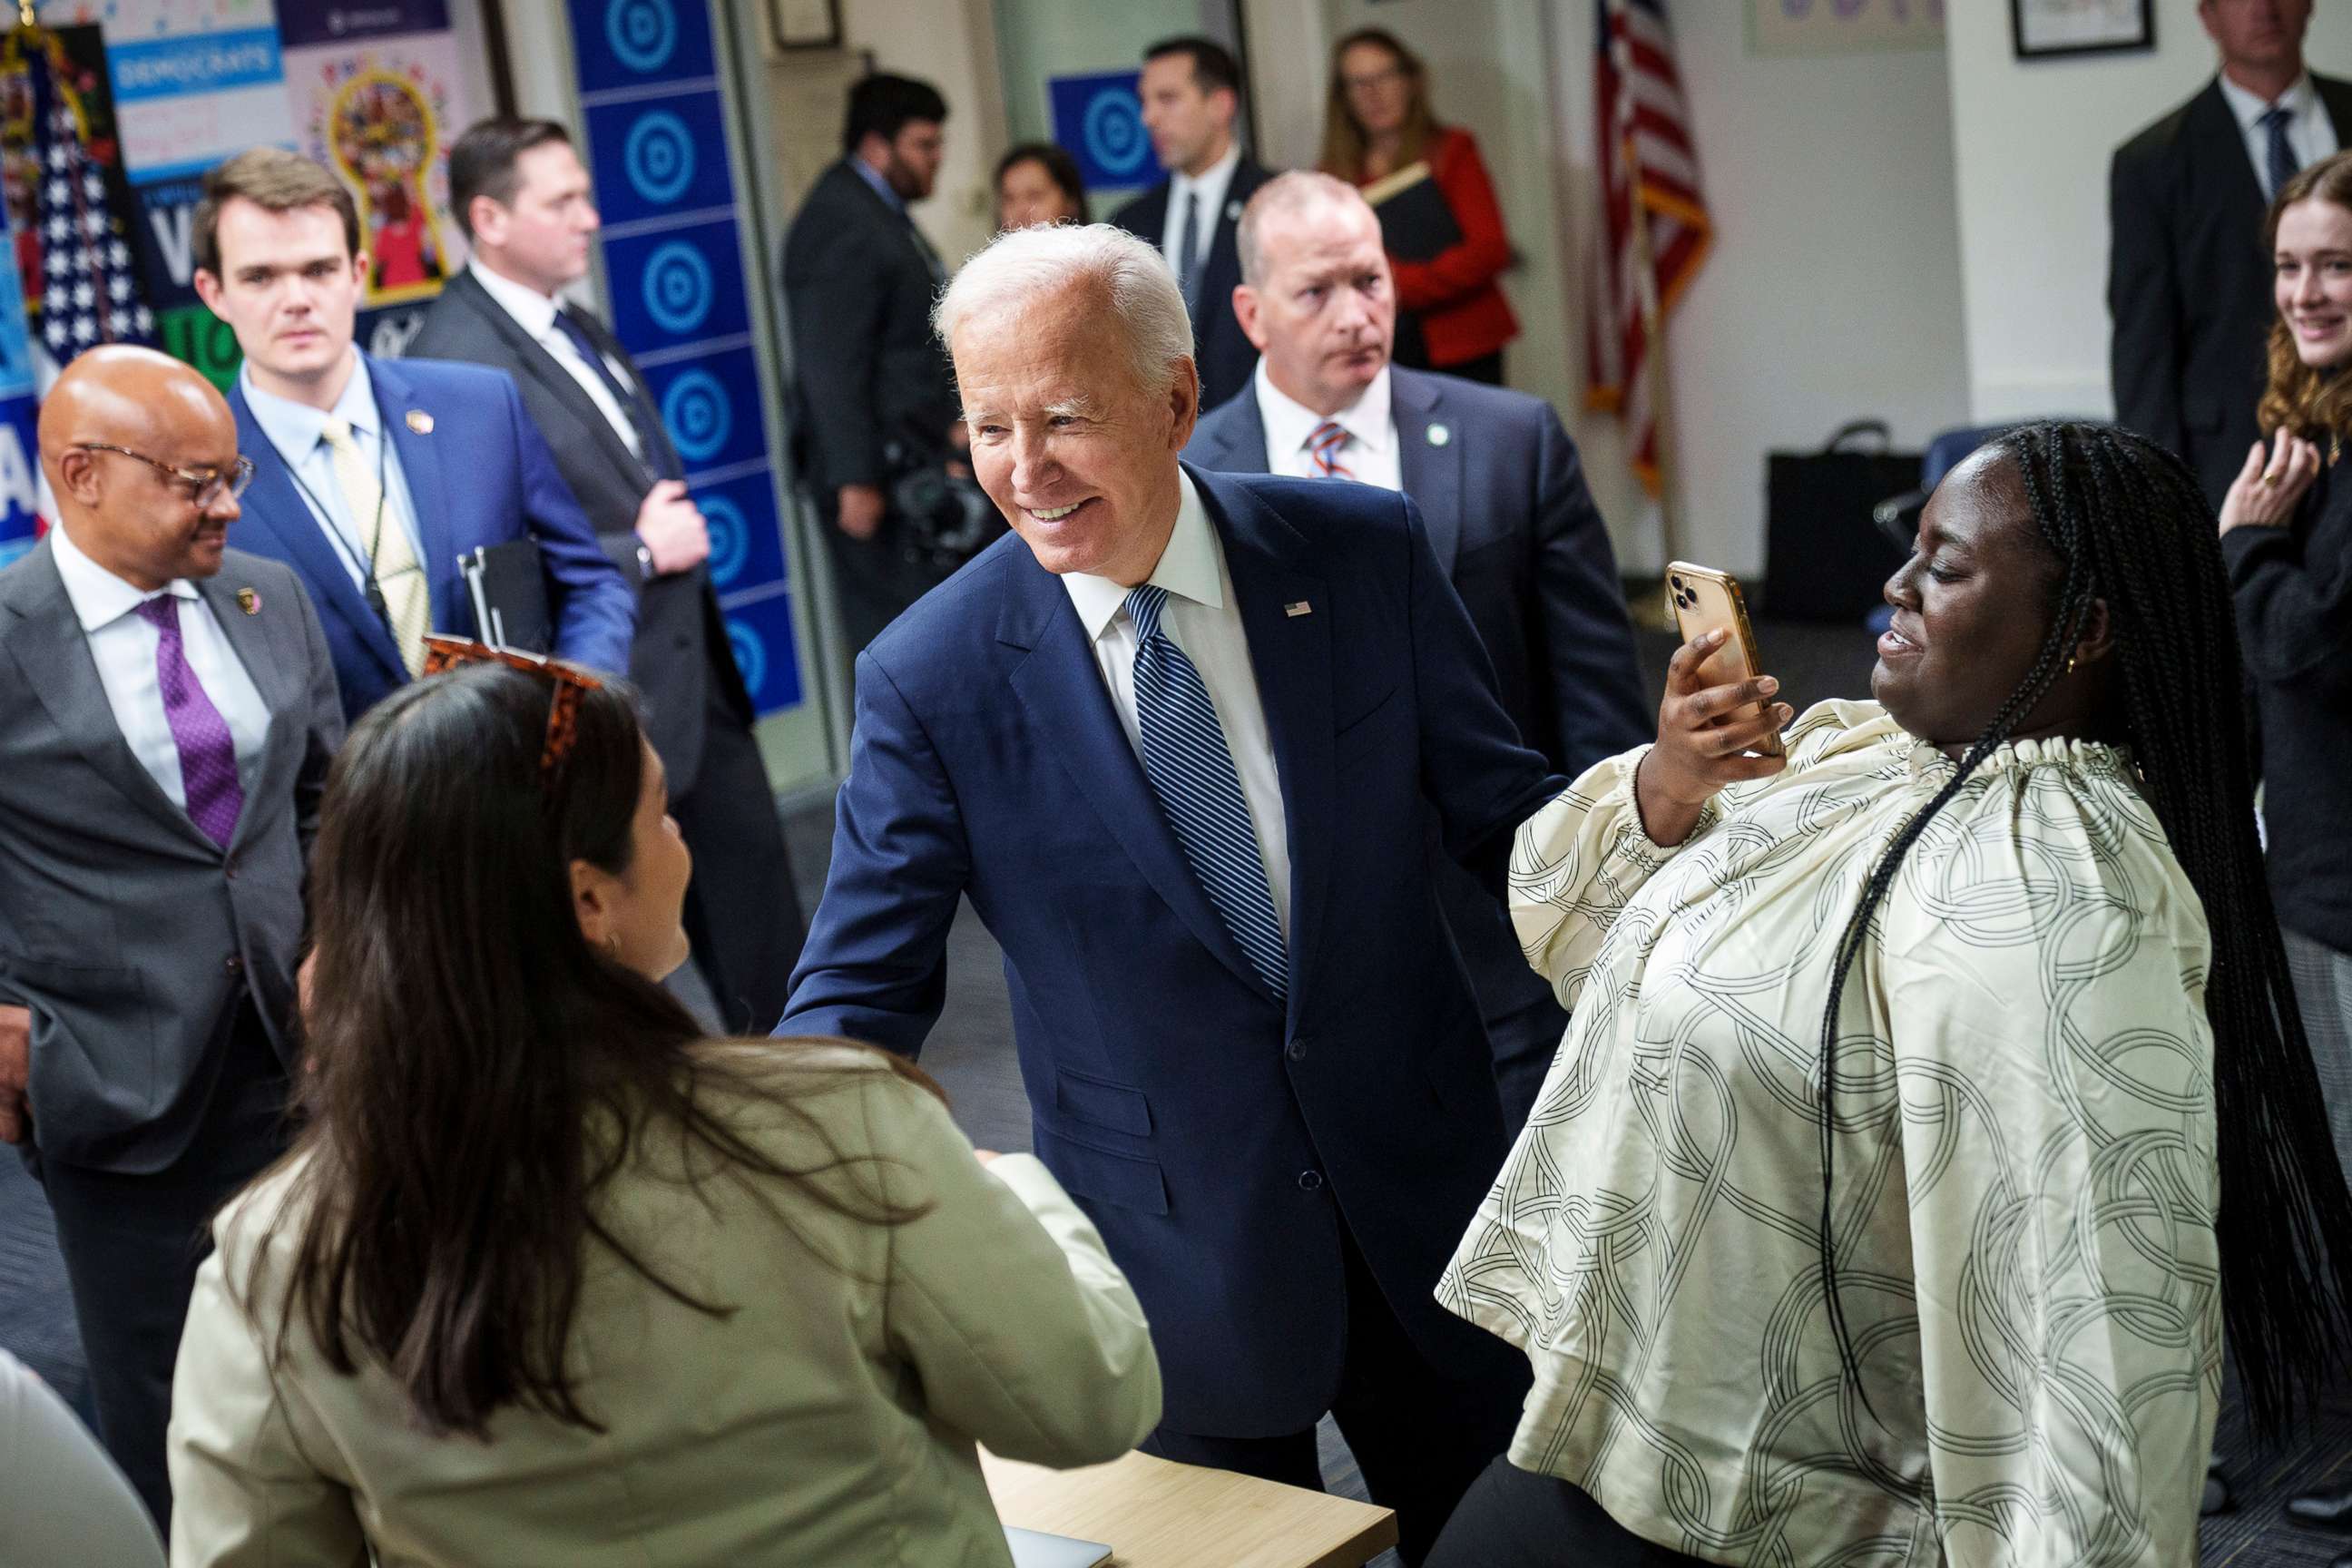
[
  {"x": 1211, "y": 182},
  {"x": 1188, "y": 567},
  {"x": 1289, "y": 423},
  {"x": 881, "y": 186},
  {"x": 99, "y": 597},
  {"x": 534, "y": 311},
  {"x": 2302, "y": 99},
  {"x": 297, "y": 429}
]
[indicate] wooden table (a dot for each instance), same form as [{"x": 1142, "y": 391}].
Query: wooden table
[{"x": 1156, "y": 1514}]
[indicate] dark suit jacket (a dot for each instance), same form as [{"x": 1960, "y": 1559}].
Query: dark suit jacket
[
  {"x": 1224, "y": 355},
  {"x": 876, "y": 390},
  {"x": 2188, "y": 285},
  {"x": 1503, "y": 494},
  {"x": 1214, "y": 1136},
  {"x": 478, "y": 474},
  {"x": 125, "y": 929},
  {"x": 681, "y": 643}
]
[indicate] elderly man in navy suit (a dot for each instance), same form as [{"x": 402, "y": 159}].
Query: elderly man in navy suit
[
  {"x": 1182, "y": 739},
  {"x": 1499, "y": 487}
]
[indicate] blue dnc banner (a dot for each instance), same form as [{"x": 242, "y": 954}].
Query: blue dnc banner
[
  {"x": 657, "y": 136},
  {"x": 1099, "y": 118}
]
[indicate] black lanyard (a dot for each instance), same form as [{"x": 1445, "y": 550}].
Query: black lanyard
[{"x": 371, "y": 586}]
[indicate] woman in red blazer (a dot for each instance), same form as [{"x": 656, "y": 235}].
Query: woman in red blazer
[{"x": 1450, "y": 316}]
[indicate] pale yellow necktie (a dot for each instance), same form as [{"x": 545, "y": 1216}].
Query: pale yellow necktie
[{"x": 406, "y": 596}]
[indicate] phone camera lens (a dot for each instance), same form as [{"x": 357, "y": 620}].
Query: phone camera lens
[{"x": 1677, "y": 582}]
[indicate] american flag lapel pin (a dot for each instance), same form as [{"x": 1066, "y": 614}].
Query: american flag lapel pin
[
  {"x": 248, "y": 601},
  {"x": 1298, "y": 607}
]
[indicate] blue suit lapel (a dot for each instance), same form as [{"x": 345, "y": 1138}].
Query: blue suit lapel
[
  {"x": 1291, "y": 656},
  {"x": 1432, "y": 471},
  {"x": 274, "y": 507},
  {"x": 420, "y": 465},
  {"x": 1061, "y": 689}
]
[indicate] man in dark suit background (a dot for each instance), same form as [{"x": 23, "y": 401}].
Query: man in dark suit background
[
  {"x": 1500, "y": 487},
  {"x": 372, "y": 478},
  {"x": 1181, "y": 741},
  {"x": 520, "y": 194},
  {"x": 1191, "y": 92},
  {"x": 2188, "y": 287},
  {"x": 877, "y": 400},
  {"x": 168, "y": 712}
]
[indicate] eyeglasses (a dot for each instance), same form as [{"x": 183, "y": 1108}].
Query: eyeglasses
[
  {"x": 1368, "y": 80},
  {"x": 202, "y": 486},
  {"x": 444, "y": 654}
]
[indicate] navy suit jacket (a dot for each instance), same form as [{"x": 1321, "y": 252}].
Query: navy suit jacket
[
  {"x": 1502, "y": 491},
  {"x": 478, "y": 474},
  {"x": 1215, "y": 1138}
]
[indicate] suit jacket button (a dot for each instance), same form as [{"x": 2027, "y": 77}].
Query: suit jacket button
[
  {"x": 1311, "y": 1181},
  {"x": 233, "y": 963},
  {"x": 1296, "y": 1049}
]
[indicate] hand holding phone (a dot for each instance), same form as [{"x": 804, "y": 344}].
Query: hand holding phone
[{"x": 1718, "y": 725}]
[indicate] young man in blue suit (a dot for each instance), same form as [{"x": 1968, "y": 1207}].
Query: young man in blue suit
[
  {"x": 372, "y": 479},
  {"x": 1183, "y": 739},
  {"x": 1500, "y": 488}
]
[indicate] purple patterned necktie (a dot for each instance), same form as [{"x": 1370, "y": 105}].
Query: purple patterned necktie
[{"x": 207, "y": 750}]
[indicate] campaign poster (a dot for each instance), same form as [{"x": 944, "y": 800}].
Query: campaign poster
[{"x": 381, "y": 113}]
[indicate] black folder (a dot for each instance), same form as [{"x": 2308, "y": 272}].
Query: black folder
[
  {"x": 1415, "y": 221},
  {"x": 508, "y": 584}
]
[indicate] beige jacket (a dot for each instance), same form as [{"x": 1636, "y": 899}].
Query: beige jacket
[{"x": 830, "y": 1420}]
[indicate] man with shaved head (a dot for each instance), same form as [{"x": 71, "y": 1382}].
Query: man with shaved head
[{"x": 168, "y": 708}]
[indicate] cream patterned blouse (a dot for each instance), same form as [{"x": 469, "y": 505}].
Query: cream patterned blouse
[{"x": 2023, "y": 1185}]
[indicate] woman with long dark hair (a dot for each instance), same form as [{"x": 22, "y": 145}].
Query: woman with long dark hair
[
  {"x": 1381, "y": 134},
  {"x": 549, "y": 1278},
  {"x": 1931, "y": 1101}
]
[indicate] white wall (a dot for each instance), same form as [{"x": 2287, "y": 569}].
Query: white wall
[
  {"x": 2033, "y": 139},
  {"x": 1834, "y": 290}
]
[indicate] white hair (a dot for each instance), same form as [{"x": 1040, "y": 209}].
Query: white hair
[{"x": 1025, "y": 265}]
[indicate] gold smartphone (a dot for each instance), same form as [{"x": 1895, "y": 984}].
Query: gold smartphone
[{"x": 1705, "y": 600}]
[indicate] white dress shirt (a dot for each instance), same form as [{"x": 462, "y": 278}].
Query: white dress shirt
[
  {"x": 1210, "y": 185},
  {"x": 1370, "y": 454},
  {"x": 299, "y": 432},
  {"x": 2309, "y": 130},
  {"x": 122, "y": 644},
  {"x": 1204, "y": 619},
  {"x": 534, "y": 312}
]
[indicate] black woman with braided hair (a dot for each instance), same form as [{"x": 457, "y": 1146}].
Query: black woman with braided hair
[
  {"x": 1932, "y": 1099},
  {"x": 2287, "y": 539}
]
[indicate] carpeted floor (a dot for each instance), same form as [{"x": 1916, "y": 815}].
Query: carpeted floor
[{"x": 970, "y": 1054}]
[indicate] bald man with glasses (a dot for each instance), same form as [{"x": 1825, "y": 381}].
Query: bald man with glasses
[{"x": 167, "y": 710}]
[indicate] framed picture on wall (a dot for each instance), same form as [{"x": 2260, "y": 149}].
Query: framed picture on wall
[
  {"x": 2046, "y": 29},
  {"x": 806, "y": 24}
]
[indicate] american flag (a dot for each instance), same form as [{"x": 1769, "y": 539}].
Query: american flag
[
  {"x": 1654, "y": 225},
  {"x": 90, "y": 289}
]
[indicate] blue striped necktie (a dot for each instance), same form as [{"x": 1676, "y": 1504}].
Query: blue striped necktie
[
  {"x": 1191, "y": 767},
  {"x": 2283, "y": 165}
]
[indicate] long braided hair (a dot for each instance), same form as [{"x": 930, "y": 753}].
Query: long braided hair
[{"x": 2130, "y": 526}]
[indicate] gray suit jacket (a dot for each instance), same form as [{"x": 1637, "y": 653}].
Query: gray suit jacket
[{"x": 127, "y": 932}]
